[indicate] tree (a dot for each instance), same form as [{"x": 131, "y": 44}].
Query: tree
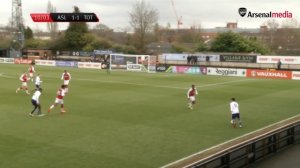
[
  {"x": 234, "y": 42},
  {"x": 142, "y": 19},
  {"x": 28, "y": 34},
  {"x": 74, "y": 36},
  {"x": 5, "y": 41},
  {"x": 102, "y": 27},
  {"x": 272, "y": 24},
  {"x": 193, "y": 35},
  {"x": 52, "y": 26},
  {"x": 179, "y": 48},
  {"x": 290, "y": 23}
]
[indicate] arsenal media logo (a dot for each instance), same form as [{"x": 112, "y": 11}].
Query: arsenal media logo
[{"x": 242, "y": 11}]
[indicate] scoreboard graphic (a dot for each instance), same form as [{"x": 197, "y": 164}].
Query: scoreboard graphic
[{"x": 64, "y": 17}]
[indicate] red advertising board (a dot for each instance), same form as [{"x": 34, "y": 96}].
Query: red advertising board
[
  {"x": 271, "y": 74},
  {"x": 22, "y": 61}
]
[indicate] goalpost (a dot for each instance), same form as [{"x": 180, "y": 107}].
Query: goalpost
[{"x": 129, "y": 62}]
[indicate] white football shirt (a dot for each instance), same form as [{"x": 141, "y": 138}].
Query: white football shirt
[
  {"x": 234, "y": 107},
  {"x": 36, "y": 96}
]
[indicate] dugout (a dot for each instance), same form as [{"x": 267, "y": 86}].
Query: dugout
[
  {"x": 4, "y": 52},
  {"x": 33, "y": 54}
]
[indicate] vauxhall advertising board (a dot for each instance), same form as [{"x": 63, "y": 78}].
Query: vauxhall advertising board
[{"x": 259, "y": 73}]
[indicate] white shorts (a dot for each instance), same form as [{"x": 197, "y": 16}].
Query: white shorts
[
  {"x": 192, "y": 98},
  {"x": 31, "y": 75},
  {"x": 59, "y": 101},
  {"x": 66, "y": 82},
  {"x": 24, "y": 84}
]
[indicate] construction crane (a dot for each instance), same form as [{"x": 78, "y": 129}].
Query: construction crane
[{"x": 178, "y": 19}]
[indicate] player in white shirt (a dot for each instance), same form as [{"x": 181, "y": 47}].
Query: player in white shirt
[
  {"x": 235, "y": 113},
  {"x": 35, "y": 100},
  {"x": 38, "y": 81},
  {"x": 191, "y": 95}
]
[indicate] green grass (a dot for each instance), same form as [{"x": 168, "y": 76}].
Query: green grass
[{"x": 130, "y": 119}]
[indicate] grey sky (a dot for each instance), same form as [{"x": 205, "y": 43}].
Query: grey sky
[{"x": 114, "y": 13}]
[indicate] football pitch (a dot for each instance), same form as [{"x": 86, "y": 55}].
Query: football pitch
[{"x": 130, "y": 119}]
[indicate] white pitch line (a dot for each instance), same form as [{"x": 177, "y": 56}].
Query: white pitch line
[
  {"x": 161, "y": 86},
  {"x": 222, "y": 83},
  {"x": 216, "y": 146},
  {"x": 140, "y": 84},
  {"x": 5, "y": 76},
  {"x": 129, "y": 83}
]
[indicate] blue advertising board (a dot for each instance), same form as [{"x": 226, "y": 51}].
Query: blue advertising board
[{"x": 73, "y": 64}]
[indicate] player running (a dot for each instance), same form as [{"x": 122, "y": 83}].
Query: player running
[
  {"x": 59, "y": 99},
  {"x": 66, "y": 77},
  {"x": 35, "y": 100},
  {"x": 191, "y": 95},
  {"x": 23, "y": 78},
  {"x": 31, "y": 70}
]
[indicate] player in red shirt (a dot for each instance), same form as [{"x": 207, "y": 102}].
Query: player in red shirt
[
  {"x": 23, "y": 78},
  {"x": 66, "y": 77},
  {"x": 191, "y": 95},
  {"x": 31, "y": 70},
  {"x": 59, "y": 99}
]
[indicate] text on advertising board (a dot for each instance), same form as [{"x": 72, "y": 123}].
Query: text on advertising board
[
  {"x": 256, "y": 73},
  {"x": 238, "y": 58}
]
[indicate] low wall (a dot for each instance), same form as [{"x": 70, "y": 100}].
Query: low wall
[{"x": 246, "y": 150}]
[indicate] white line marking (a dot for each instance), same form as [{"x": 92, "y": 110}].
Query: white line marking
[
  {"x": 129, "y": 83},
  {"x": 216, "y": 146},
  {"x": 5, "y": 76},
  {"x": 222, "y": 83},
  {"x": 161, "y": 86}
]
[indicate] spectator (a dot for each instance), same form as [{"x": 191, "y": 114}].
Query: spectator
[
  {"x": 207, "y": 58},
  {"x": 279, "y": 65},
  {"x": 188, "y": 59}
]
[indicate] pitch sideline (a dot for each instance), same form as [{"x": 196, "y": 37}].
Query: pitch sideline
[
  {"x": 140, "y": 84},
  {"x": 216, "y": 146}
]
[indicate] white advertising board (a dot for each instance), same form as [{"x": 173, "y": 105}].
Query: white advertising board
[
  {"x": 274, "y": 59},
  {"x": 227, "y": 72},
  {"x": 296, "y": 75},
  {"x": 89, "y": 65},
  {"x": 45, "y": 62},
  {"x": 134, "y": 67}
]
